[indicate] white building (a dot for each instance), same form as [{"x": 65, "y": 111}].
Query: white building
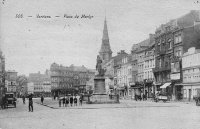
[
  {"x": 30, "y": 87},
  {"x": 191, "y": 73}
]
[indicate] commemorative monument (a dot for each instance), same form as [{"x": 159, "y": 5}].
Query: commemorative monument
[{"x": 99, "y": 95}]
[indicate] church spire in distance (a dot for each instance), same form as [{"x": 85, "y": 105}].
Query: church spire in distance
[{"x": 105, "y": 51}]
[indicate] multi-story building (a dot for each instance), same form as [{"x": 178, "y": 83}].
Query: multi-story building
[
  {"x": 30, "y": 88},
  {"x": 120, "y": 88},
  {"x": 123, "y": 75},
  {"x": 138, "y": 64},
  {"x": 171, "y": 40},
  {"x": 149, "y": 64},
  {"x": 11, "y": 81},
  {"x": 2, "y": 75},
  {"x": 69, "y": 80},
  {"x": 191, "y": 73},
  {"x": 41, "y": 83}
]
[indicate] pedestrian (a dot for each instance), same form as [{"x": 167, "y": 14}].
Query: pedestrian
[
  {"x": 59, "y": 101},
  {"x": 75, "y": 101},
  {"x": 146, "y": 93},
  {"x": 42, "y": 99},
  {"x": 54, "y": 97},
  {"x": 71, "y": 100},
  {"x": 4, "y": 102},
  {"x": 80, "y": 100},
  {"x": 23, "y": 98},
  {"x": 63, "y": 101},
  {"x": 30, "y": 105},
  {"x": 66, "y": 101}
]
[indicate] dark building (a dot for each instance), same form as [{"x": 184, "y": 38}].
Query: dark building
[{"x": 171, "y": 41}]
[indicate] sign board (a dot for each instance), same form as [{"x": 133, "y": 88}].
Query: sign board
[
  {"x": 132, "y": 83},
  {"x": 175, "y": 67},
  {"x": 175, "y": 76},
  {"x": 11, "y": 89}
]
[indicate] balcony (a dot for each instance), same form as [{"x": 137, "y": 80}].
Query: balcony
[
  {"x": 162, "y": 52},
  {"x": 162, "y": 68}
]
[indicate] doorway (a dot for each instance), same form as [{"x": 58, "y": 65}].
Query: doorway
[{"x": 190, "y": 94}]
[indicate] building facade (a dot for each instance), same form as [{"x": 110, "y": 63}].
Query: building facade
[
  {"x": 191, "y": 73},
  {"x": 11, "y": 81},
  {"x": 149, "y": 64},
  {"x": 171, "y": 40},
  {"x": 138, "y": 54},
  {"x": 2, "y": 75},
  {"x": 41, "y": 84},
  {"x": 69, "y": 80}
]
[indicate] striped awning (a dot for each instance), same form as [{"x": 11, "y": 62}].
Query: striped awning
[{"x": 166, "y": 85}]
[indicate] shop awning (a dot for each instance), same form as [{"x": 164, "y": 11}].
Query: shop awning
[{"x": 166, "y": 85}]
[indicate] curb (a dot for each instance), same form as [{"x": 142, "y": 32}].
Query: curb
[{"x": 46, "y": 105}]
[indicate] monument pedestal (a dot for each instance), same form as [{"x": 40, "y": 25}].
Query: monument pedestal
[
  {"x": 99, "y": 85},
  {"x": 99, "y": 96}
]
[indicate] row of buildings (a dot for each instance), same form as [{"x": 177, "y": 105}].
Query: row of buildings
[
  {"x": 70, "y": 79},
  {"x": 159, "y": 63},
  {"x": 39, "y": 84}
]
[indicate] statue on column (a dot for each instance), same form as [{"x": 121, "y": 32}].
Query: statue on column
[{"x": 99, "y": 67}]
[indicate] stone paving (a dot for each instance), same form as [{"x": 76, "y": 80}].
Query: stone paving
[{"x": 126, "y": 115}]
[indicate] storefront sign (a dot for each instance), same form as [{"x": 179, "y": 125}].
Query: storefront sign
[
  {"x": 175, "y": 67},
  {"x": 175, "y": 76},
  {"x": 132, "y": 83}
]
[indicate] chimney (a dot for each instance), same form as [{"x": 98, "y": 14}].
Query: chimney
[
  {"x": 151, "y": 38},
  {"x": 122, "y": 51}
]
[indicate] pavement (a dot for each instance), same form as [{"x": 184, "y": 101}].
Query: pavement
[{"x": 126, "y": 115}]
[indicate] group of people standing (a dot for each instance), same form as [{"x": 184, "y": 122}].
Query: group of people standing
[
  {"x": 140, "y": 95},
  {"x": 70, "y": 100}
]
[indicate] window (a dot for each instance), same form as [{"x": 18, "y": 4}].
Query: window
[
  {"x": 178, "y": 38},
  {"x": 178, "y": 53},
  {"x": 170, "y": 44},
  {"x": 158, "y": 48}
]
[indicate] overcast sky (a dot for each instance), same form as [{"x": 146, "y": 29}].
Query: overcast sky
[{"x": 31, "y": 44}]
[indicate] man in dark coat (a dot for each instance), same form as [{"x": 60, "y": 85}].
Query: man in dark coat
[
  {"x": 23, "y": 98},
  {"x": 63, "y": 101},
  {"x": 75, "y": 101},
  {"x": 66, "y": 101},
  {"x": 71, "y": 100},
  {"x": 80, "y": 100},
  {"x": 30, "y": 105},
  {"x": 42, "y": 99}
]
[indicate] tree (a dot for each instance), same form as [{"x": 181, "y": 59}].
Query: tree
[{"x": 22, "y": 82}]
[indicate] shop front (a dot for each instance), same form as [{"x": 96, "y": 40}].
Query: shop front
[
  {"x": 148, "y": 88},
  {"x": 137, "y": 90},
  {"x": 166, "y": 89},
  {"x": 190, "y": 90}
]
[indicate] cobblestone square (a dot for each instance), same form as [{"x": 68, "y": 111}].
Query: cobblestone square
[{"x": 126, "y": 115}]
